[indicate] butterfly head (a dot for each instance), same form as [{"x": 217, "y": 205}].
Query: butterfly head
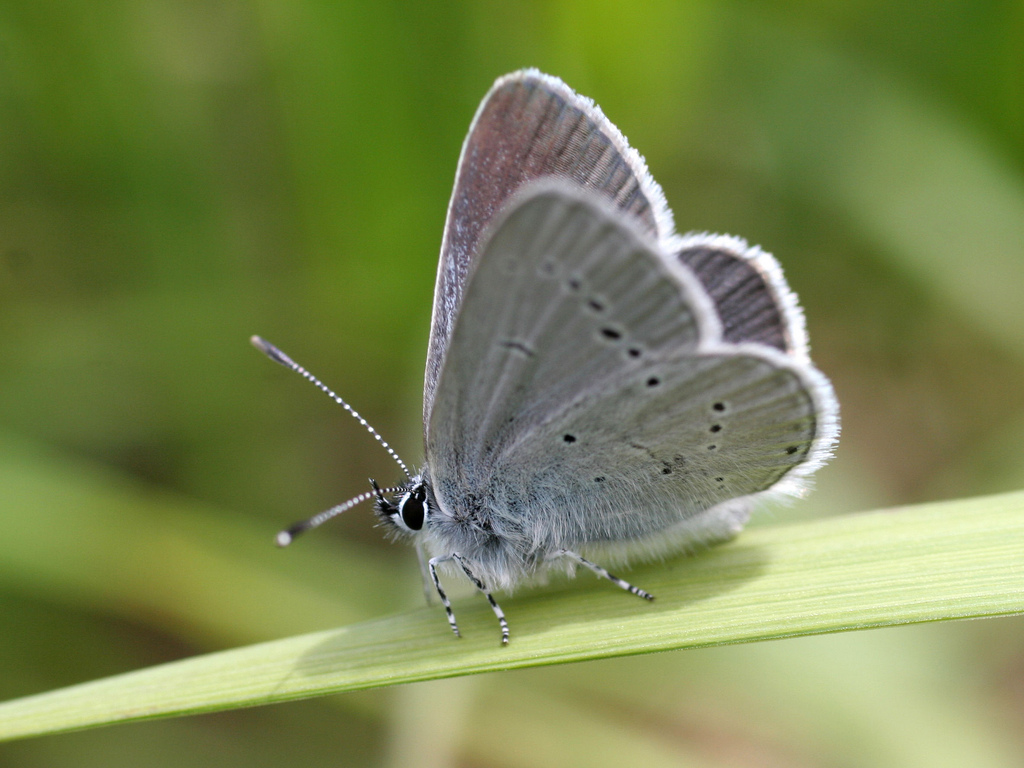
[{"x": 409, "y": 511}]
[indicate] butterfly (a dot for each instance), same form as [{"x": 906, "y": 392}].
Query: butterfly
[{"x": 596, "y": 385}]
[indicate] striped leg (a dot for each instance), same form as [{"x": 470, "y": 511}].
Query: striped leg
[
  {"x": 603, "y": 573},
  {"x": 432, "y": 566},
  {"x": 490, "y": 598}
]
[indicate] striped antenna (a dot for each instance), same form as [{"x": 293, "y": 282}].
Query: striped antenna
[
  {"x": 287, "y": 536},
  {"x": 278, "y": 356}
]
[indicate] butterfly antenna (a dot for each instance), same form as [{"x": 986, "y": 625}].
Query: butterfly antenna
[
  {"x": 278, "y": 356},
  {"x": 285, "y": 537}
]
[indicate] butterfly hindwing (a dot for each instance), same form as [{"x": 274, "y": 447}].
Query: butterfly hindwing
[
  {"x": 702, "y": 429},
  {"x": 750, "y": 294}
]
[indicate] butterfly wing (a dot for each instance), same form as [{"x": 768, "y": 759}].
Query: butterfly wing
[
  {"x": 750, "y": 294},
  {"x": 529, "y": 126},
  {"x": 587, "y": 394}
]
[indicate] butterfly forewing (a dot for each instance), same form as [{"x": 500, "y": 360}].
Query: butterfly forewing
[
  {"x": 586, "y": 395},
  {"x": 565, "y": 296},
  {"x": 531, "y": 126}
]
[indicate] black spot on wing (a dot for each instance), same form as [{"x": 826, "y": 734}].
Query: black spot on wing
[{"x": 519, "y": 346}]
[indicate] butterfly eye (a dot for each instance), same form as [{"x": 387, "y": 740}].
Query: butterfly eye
[{"x": 413, "y": 508}]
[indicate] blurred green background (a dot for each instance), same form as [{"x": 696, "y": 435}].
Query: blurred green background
[{"x": 175, "y": 176}]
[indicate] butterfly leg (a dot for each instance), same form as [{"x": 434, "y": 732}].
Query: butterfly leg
[
  {"x": 490, "y": 598},
  {"x": 432, "y": 567},
  {"x": 422, "y": 556},
  {"x": 603, "y": 573}
]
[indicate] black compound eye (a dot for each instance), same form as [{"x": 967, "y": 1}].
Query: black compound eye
[{"x": 413, "y": 508}]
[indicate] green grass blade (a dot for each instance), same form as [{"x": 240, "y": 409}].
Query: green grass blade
[{"x": 962, "y": 559}]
